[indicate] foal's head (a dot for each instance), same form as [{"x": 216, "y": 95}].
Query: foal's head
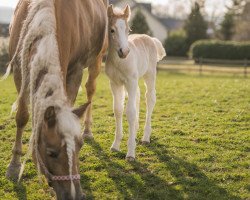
[
  {"x": 56, "y": 150},
  {"x": 119, "y": 30}
]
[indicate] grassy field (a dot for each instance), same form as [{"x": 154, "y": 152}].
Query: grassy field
[{"x": 200, "y": 144}]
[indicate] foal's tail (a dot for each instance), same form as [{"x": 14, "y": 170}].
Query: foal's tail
[{"x": 161, "y": 53}]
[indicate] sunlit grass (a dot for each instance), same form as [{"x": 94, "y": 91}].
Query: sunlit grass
[{"x": 200, "y": 144}]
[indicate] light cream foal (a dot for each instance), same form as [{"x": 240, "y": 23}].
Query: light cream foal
[{"x": 131, "y": 57}]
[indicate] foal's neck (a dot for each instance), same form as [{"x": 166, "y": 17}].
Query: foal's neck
[{"x": 112, "y": 53}]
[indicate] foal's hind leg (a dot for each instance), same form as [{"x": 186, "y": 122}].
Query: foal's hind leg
[
  {"x": 22, "y": 117},
  {"x": 90, "y": 85},
  {"x": 150, "y": 101},
  {"x": 138, "y": 95}
]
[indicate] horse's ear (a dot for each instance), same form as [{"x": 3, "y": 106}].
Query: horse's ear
[
  {"x": 110, "y": 10},
  {"x": 50, "y": 116},
  {"x": 79, "y": 112},
  {"x": 127, "y": 12}
]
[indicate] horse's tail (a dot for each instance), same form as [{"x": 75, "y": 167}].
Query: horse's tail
[
  {"x": 161, "y": 53},
  {"x": 7, "y": 73}
]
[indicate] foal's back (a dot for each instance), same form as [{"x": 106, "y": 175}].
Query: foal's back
[{"x": 143, "y": 51}]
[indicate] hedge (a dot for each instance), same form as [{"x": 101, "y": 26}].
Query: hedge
[
  {"x": 176, "y": 44},
  {"x": 224, "y": 50}
]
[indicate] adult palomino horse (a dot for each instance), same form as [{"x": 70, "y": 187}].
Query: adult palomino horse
[
  {"x": 129, "y": 58},
  {"x": 51, "y": 41}
]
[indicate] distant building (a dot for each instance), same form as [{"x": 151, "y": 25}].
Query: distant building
[{"x": 160, "y": 27}]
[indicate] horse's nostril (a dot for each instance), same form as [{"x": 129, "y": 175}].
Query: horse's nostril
[{"x": 120, "y": 50}]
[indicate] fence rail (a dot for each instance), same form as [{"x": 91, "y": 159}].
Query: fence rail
[{"x": 206, "y": 65}]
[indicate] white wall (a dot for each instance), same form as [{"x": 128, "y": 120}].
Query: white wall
[{"x": 158, "y": 30}]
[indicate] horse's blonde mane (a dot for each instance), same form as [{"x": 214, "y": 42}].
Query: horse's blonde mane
[{"x": 41, "y": 24}]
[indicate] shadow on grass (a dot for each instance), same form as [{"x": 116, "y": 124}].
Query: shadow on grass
[
  {"x": 141, "y": 183},
  {"x": 85, "y": 183},
  {"x": 195, "y": 184},
  {"x": 136, "y": 183},
  {"x": 20, "y": 190}
]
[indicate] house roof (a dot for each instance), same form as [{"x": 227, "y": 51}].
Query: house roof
[
  {"x": 171, "y": 23},
  {"x": 147, "y": 6},
  {"x": 113, "y": 1},
  {"x": 168, "y": 22}
]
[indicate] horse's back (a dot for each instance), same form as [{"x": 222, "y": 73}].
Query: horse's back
[
  {"x": 80, "y": 35},
  {"x": 81, "y": 27}
]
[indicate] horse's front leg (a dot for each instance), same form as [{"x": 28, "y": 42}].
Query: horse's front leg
[
  {"x": 131, "y": 116},
  {"x": 118, "y": 107},
  {"x": 94, "y": 71},
  {"x": 22, "y": 117}
]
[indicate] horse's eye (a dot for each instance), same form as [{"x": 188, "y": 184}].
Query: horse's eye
[
  {"x": 52, "y": 153},
  {"x": 112, "y": 30}
]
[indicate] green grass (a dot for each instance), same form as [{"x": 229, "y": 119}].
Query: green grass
[{"x": 200, "y": 144}]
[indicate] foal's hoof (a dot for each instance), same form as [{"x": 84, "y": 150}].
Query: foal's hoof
[
  {"x": 87, "y": 135},
  {"x": 130, "y": 159},
  {"x": 145, "y": 143},
  {"x": 13, "y": 172},
  {"x": 114, "y": 149}
]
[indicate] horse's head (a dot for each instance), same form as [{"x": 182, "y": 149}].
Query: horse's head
[
  {"x": 119, "y": 30},
  {"x": 56, "y": 150}
]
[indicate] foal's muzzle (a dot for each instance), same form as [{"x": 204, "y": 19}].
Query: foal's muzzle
[{"x": 123, "y": 53}]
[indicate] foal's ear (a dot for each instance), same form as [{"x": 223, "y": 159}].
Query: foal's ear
[
  {"x": 50, "y": 116},
  {"x": 79, "y": 112},
  {"x": 127, "y": 12},
  {"x": 110, "y": 10}
]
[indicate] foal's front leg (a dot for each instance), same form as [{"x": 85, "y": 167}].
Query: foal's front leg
[
  {"x": 131, "y": 116},
  {"x": 118, "y": 107}
]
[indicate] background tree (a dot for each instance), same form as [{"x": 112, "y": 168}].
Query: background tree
[
  {"x": 195, "y": 26},
  {"x": 242, "y": 29},
  {"x": 139, "y": 24},
  {"x": 227, "y": 26}
]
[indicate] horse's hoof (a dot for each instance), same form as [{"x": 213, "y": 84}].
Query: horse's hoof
[
  {"x": 13, "y": 172},
  {"x": 84, "y": 196},
  {"x": 145, "y": 143},
  {"x": 87, "y": 135},
  {"x": 130, "y": 159},
  {"x": 114, "y": 149}
]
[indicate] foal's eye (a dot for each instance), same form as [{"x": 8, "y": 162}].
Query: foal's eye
[
  {"x": 52, "y": 153},
  {"x": 112, "y": 30}
]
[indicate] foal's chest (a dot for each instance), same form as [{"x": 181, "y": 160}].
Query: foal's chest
[{"x": 115, "y": 75}]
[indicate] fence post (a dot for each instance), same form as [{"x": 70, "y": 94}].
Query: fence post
[
  {"x": 245, "y": 68},
  {"x": 201, "y": 63}
]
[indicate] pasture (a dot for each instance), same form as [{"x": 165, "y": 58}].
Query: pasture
[{"x": 199, "y": 150}]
